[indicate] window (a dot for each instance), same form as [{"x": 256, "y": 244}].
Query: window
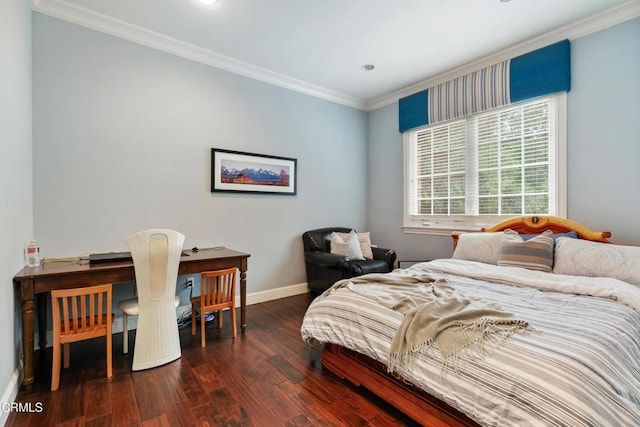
[{"x": 475, "y": 171}]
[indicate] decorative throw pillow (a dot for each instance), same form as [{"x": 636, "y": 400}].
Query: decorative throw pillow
[
  {"x": 534, "y": 254},
  {"x": 481, "y": 247},
  {"x": 579, "y": 257},
  {"x": 571, "y": 234},
  {"x": 365, "y": 243},
  {"x": 349, "y": 247}
]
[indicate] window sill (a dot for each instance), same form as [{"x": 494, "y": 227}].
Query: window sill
[
  {"x": 443, "y": 226},
  {"x": 439, "y": 230}
]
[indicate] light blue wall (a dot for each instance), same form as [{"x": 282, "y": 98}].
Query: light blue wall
[
  {"x": 603, "y": 148},
  {"x": 122, "y": 140},
  {"x": 604, "y": 131},
  {"x": 16, "y": 205}
]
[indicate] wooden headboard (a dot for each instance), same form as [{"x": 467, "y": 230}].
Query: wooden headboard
[{"x": 538, "y": 224}]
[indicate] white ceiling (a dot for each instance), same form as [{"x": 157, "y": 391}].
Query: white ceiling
[{"x": 318, "y": 47}]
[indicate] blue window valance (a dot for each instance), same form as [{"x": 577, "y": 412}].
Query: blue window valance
[{"x": 541, "y": 72}]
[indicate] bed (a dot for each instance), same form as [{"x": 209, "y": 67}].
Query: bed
[{"x": 576, "y": 364}]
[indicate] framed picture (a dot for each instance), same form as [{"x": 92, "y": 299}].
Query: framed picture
[{"x": 252, "y": 173}]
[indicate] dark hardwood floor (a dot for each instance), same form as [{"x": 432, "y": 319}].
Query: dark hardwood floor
[{"x": 266, "y": 377}]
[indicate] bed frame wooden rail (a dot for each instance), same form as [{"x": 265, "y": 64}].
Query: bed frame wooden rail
[
  {"x": 363, "y": 371},
  {"x": 538, "y": 224}
]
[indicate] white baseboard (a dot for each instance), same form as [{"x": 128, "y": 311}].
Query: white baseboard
[
  {"x": 11, "y": 391},
  {"x": 272, "y": 294}
]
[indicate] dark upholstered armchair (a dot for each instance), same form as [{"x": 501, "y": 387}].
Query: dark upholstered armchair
[{"x": 325, "y": 268}]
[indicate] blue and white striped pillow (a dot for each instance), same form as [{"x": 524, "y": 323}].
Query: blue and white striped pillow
[{"x": 534, "y": 254}]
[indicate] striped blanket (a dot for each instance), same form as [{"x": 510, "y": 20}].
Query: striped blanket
[
  {"x": 435, "y": 315},
  {"x": 580, "y": 368}
]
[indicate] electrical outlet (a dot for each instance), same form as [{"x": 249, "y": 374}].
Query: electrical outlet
[{"x": 189, "y": 282}]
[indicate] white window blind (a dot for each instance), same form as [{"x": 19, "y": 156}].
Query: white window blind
[
  {"x": 487, "y": 166},
  {"x": 440, "y": 174}
]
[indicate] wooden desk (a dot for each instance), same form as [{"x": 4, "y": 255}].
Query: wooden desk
[{"x": 38, "y": 281}]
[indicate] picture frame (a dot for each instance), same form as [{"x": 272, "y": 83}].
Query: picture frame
[{"x": 241, "y": 172}]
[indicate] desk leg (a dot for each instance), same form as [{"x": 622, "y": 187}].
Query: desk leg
[
  {"x": 243, "y": 300},
  {"x": 27, "y": 342}
]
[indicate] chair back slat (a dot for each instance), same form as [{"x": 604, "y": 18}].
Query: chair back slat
[
  {"x": 99, "y": 310},
  {"x": 92, "y": 312},
  {"x": 220, "y": 295},
  {"x": 206, "y": 290},
  {"x": 83, "y": 313},
  {"x": 65, "y": 317}
]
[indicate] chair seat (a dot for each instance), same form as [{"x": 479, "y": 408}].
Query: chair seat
[{"x": 131, "y": 306}]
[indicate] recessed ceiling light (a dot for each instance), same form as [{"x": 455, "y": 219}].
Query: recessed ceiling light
[
  {"x": 368, "y": 67},
  {"x": 207, "y": 2}
]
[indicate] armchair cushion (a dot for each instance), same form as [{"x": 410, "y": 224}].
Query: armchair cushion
[
  {"x": 364, "y": 239},
  {"x": 346, "y": 244}
]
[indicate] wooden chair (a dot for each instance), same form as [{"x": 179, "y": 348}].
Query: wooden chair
[
  {"x": 77, "y": 316},
  {"x": 217, "y": 291}
]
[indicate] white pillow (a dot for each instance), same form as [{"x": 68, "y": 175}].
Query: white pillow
[
  {"x": 481, "y": 247},
  {"x": 365, "y": 243},
  {"x": 586, "y": 258},
  {"x": 349, "y": 247}
]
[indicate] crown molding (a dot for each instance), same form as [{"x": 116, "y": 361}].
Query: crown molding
[
  {"x": 572, "y": 31},
  {"x": 65, "y": 11},
  {"x": 105, "y": 24}
]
